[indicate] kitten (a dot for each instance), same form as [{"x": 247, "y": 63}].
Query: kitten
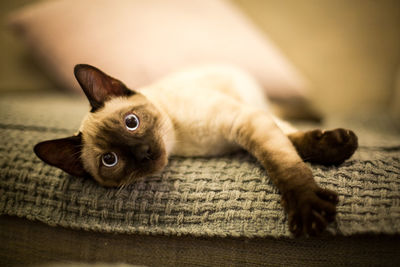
[{"x": 208, "y": 111}]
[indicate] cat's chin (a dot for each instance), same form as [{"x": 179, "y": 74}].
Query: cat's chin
[
  {"x": 155, "y": 165},
  {"x": 151, "y": 167}
]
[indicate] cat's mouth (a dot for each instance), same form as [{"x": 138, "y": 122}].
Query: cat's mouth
[
  {"x": 151, "y": 155},
  {"x": 148, "y": 154},
  {"x": 154, "y": 160},
  {"x": 157, "y": 160}
]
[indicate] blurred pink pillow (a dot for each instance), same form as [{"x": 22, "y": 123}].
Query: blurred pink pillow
[{"x": 140, "y": 41}]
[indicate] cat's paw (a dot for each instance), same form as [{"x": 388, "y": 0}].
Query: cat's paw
[
  {"x": 310, "y": 210},
  {"x": 329, "y": 147}
]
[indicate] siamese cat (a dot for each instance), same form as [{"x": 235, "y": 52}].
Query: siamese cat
[{"x": 206, "y": 111}]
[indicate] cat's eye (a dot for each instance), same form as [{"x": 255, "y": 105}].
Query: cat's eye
[
  {"x": 131, "y": 122},
  {"x": 109, "y": 159}
]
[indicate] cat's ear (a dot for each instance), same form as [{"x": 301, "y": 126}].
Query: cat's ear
[
  {"x": 98, "y": 86},
  {"x": 63, "y": 153}
]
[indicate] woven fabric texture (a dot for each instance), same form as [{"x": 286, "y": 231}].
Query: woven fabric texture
[{"x": 223, "y": 196}]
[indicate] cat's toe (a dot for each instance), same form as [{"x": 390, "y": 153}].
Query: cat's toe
[
  {"x": 340, "y": 137},
  {"x": 337, "y": 136},
  {"x": 317, "y": 216},
  {"x": 295, "y": 224},
  {"x": 328, "y": 195},
  {"x": 317, "y": 224},
  {"x": 346, "y": 146},
  {"x": 316, "y": 134},
  {"x": 353, "y": 140}
]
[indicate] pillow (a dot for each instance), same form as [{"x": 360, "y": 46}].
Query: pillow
[{"x": 140, "y": 41}]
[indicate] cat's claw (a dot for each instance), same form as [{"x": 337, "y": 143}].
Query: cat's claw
[{"x": 310, "y": 211}]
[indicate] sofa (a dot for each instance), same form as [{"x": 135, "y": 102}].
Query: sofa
[{"x": 221, "y": 211}]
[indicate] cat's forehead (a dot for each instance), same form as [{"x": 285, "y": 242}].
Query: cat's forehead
[
  {"x": 93, "y": 119},
  {"x": 119, "y": 104},
  {"x": 110, "y": 116}
]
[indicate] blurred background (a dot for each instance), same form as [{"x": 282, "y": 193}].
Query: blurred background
[{"x": 348, "y": 50}]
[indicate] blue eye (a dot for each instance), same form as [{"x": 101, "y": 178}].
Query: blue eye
[
  {"x": 132, "y": 122},
  {"x": 109, "y": 159}
]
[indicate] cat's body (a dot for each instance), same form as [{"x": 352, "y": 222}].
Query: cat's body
[
  {"x": 197, "y": 100},
  {"x": 208, "y": 111}
]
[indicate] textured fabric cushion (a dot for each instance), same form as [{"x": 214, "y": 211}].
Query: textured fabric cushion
[
  {"x": 140, "y": 41},
  {"x": 221, "y": 196}
]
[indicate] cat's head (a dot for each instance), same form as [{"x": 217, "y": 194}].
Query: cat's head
[{"x": 121, "y": 139}]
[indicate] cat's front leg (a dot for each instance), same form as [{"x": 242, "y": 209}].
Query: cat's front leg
[{"x": 309, "y": 207}]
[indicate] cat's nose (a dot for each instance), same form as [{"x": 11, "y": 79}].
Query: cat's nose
[{"x": 141, "y": 152}]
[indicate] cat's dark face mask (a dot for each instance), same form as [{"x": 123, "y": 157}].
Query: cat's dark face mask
[{"x": 121, "y": 139}]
